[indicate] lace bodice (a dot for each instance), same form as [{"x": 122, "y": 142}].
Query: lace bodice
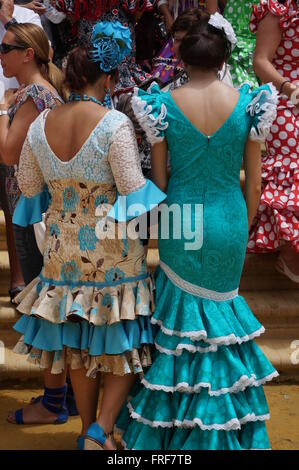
[{"x": 104, "y": 157}]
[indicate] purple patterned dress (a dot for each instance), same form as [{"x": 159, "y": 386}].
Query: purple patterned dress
[{"x": 166, "y": 66}]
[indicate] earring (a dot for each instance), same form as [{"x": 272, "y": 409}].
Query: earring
[
  {"x": 107, "y": 99},
  {"x": 219, "y": 74}
]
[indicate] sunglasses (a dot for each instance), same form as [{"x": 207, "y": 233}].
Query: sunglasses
[{"x": 5, "y": 48}]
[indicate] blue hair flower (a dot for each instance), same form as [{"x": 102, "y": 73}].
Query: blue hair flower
[{"x": 111, "y": 43}]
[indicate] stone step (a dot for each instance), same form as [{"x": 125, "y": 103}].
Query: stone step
[
  {"x": 4, "y": 273},
  {"x": 259, "y": 271}
]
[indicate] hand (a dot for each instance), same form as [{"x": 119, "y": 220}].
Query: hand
[
  {"x": 35, "y": 6},
  {"x": 6, "y": 11},
  {"x": 11, "y": 95}
]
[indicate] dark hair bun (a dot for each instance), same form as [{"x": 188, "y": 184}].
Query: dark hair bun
[
  {"x": 205, "y": 46},
  {"x": 81, "y": 70},
  {"x": 188, "y": 18}
]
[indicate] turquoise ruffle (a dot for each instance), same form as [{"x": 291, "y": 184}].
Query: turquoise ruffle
[
  {"x": 29, "y": 210},
  {"x": 229, "y": 369},
  {"x": 137, "y": 203},
  {"x": 197, "y": 318},
  {"x": 225, "y": 412},
  {"x": 115, "y": 339},
  {"x": 203, "y": 390},
  {"x": 141, "y": 437}
]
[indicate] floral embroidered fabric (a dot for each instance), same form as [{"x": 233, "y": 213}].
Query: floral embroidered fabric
[
  {"x": 207, "y": 374},
  {"x": 99, "y": 283}
]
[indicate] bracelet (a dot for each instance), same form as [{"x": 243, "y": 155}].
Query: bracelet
[
  {"x": 283, "y": 84},
  {"x": 3, "y": 112}
]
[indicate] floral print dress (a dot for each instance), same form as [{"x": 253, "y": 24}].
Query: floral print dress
[
  {"x": 92, "y": 302},
  {"x": 43, "y": 99},
  {"x": 87, "y": 14}
]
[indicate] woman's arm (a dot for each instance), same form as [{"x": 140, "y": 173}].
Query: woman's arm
[
  {"x": 159, "y": 165},
  {"x": 212, "y": 6},
  {"x": 268, "y": 38},
  {"x": 163, "y": 7},
  {"x": 12, "y": 136},
  {"x": 252, "y": 167}
]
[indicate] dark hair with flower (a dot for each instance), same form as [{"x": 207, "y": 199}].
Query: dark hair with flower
[{"x": 111, "y": 43}]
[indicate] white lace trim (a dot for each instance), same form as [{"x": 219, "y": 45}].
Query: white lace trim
[
  {"x": 238, "y": 386},
  {"x": 231, "y": 425},
  {"x": 202, "y": 335},
  {"x": 188, "y": 347},
  {"x": 266, "y": 112},
  {"x": 151, "y": 125},
  {"x": 124, "y": 444},
  {"x": 197, "y": 290}
]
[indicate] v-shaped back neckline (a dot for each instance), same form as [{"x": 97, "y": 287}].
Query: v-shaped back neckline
[
  {"x": 202, "y": 134},
  {"x": 43, "y": 124}
]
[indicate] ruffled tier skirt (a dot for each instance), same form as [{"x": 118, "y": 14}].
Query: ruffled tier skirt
[
  {"x": 204, "y": 388},
  {"x": 277, "y": 218},
  {"x": 105, "y": 329}
]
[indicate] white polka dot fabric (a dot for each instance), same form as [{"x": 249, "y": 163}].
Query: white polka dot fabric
[{"x": 277, "y": 219}]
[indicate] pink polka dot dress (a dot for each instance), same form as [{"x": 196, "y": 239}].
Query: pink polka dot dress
[{"x": 277, "y": 218}]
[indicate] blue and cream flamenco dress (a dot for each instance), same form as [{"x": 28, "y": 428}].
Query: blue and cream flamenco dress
[
  {"x": 204, "y": 388},
  {"x": 91, "y": 304}
]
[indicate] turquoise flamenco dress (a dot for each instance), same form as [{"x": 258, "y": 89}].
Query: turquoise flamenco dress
[{"x": 204, "y": 388}]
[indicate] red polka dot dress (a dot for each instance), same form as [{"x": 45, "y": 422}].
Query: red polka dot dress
[{"x": 277, "y": 218}]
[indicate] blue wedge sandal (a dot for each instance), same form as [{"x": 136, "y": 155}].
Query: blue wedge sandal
[
  {"x": 54, "y": 401},
  {"x": 95, "y": 437}
]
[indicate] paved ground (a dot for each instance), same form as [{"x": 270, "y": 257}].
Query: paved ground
[{"x": 283, "y": 427}]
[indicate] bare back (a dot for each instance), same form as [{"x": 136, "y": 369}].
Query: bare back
[
  {"x": 70, "y": 125},
  {"x": 208, "y": 107}
]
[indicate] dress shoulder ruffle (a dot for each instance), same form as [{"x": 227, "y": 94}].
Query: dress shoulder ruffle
[
  {"x": 262, "y": 109},
  {"x": 151, "y": 112},
  {"x": 283, "y": 11}
]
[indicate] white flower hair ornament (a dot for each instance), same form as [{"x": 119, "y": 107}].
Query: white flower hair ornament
[{"x": 217, "y": 21}]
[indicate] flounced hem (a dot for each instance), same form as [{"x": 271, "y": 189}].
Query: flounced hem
[
  {"x": 279, "y": 212},
  {"x": 98, "y": 306},
  {"x": 253, "y": 436},
  {"x": 225, "y": 412},
  {"x": 185, "y": 347},
  {"x": 238, "y": 386},
  {"x": 188, "y": 316},
  {"x": 97, "y": 340},
  {"x": 233, "y": 424},
  {"x": 130, "y": 362},
  {"x": 136, "y": 203},
  {"x": 228, "y": 370},
  {"x": 29, "y": 210},
  {"x": 202, "y": 335}
]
